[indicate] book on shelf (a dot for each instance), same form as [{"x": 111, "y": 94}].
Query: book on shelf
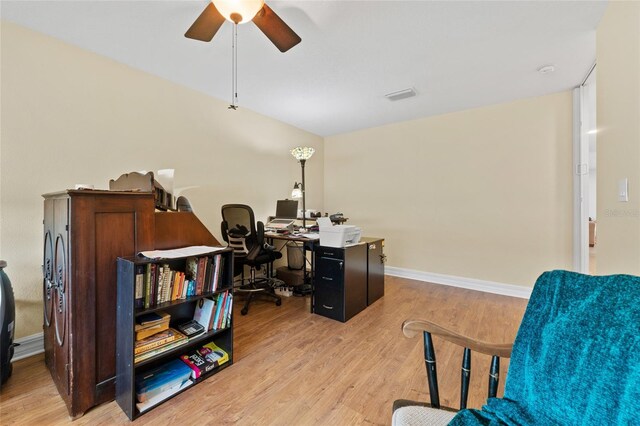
[
  {"x": 166, "y": 285},
  {"x": 230, "y": 311},
  {"x": 202, "y": 264},
  {"x": 156, "y": 340},
  {"x": 219, "y": 262},
  {"x": 204, "y": 312},
  {"x": 185, "y": 287},
  {"x": 160, "y": 284},
  {"x": 151, "y": 319},
  {"x": 160, "y": 349},
  {"x": 226, "y": 319},
  {"x": 147, "y": 286},
  {"x": 219, "y": 304},
  {"x": 155, "y": 400},
  {"x": 206, "y": 287},
  {"x": 191, "y": 268},
  {"x": 153, "y": 284},
  {"x": 218, "y": 267},
  {"x": 223, "y": 309},
  {"x": 139, "y": 286},
  {"x": 205, "y": 359},
  {"x": 176, "y": 292},
  {"x": 143, "y": 333},
  {"x": 161, "y": 378},
  {"x": 151, "y": 323}
]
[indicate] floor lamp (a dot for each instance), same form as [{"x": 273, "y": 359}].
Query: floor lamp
[{"x": 302, "y": 154}]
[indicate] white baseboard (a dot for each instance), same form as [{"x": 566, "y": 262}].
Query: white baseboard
[
  {"x": 462, "y": 282},
  {"x": 29, "y": 346}
]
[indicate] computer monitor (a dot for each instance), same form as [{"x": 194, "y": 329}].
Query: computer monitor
[{"x": 287, "y": 209}]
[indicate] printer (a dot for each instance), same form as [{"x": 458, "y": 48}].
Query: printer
[{"x": 337, "y": 235}]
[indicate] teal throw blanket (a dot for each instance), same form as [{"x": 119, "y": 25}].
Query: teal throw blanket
[{"x": 576, "y": 358}]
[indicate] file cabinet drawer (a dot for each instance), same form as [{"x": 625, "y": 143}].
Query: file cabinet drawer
[
  {"x": 330, "y": 303},
  {"x": 329, "y": 272},
  {"x": 329, "y": 252}
]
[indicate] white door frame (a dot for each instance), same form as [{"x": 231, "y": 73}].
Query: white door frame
[{"x": 581, "y": 178}]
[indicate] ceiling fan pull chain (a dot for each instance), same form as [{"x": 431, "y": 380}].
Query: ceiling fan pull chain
[{"x": 234, "y": 68}]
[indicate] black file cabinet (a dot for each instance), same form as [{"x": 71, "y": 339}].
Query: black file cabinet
[
  {"x": 375, "y": 268},
  {"x": 340, "y": 284}
]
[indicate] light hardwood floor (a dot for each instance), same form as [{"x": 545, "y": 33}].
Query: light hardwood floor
[{"x": 295, "y": 368}]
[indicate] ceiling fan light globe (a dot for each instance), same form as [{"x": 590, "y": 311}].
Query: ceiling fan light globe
[{"x": 241, "y": 10}]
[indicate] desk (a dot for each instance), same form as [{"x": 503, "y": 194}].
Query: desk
[{"x": 307, "y": 244}]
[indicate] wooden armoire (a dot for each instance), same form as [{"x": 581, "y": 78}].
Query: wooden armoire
[{"x": 84, "y": 232}]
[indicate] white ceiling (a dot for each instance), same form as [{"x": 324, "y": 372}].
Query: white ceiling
[{"x": 456, "y": 54}]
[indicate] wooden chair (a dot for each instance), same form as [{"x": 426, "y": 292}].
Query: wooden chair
[{"x": 575, "y": 360}]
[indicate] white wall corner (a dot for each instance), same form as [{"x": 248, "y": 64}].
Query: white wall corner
[
  {"x": 462, "y": 282},
  {"x": 29, "y": 346}
]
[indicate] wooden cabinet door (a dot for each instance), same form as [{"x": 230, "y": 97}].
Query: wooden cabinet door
[
  {"x": 375, "y": 272},
  {"x": 56, "y": 288},
  {"x": 105, "y": 226}
]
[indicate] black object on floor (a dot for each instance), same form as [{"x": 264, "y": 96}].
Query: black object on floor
[{"x": 7, "y": 321}]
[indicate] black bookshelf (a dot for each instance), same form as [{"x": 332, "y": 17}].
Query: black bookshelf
[{"x": 180, "y": 310}]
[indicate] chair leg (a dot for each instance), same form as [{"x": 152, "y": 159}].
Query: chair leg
[
  {"x": 432, "y": 374},
  {"x": 494, "y": 376},
  {"x": 464, "y": 378},
  {"x": 245, "y": 308},
  {"x": 255, "y": 291}
]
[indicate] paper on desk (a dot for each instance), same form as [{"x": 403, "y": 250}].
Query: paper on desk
[
  {"x": 179, "y": 252},
  {"x": 313, "y": 236}
]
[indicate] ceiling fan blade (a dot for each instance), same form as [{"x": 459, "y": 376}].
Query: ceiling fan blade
[
  {"x": 275, "y": 29},
  {"x": 207, "y": 24}
]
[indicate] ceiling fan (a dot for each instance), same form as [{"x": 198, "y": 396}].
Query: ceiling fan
[{"x": 239, "y": 12}]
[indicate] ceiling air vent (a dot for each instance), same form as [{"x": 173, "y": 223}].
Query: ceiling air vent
[{"x": 401, "y": 94}]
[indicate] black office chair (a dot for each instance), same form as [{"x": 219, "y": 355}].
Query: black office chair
[
  {"x": 240, "y": 233},
  {"x": 183, "y": 204}
]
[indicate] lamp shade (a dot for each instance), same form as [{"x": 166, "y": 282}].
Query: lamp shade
[
  {"x": 302, "y": 152},
  {"x": 238, "y": 11},
  {"x": 297, "y": 191}
]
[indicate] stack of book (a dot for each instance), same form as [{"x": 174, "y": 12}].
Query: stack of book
[
  {"x": 150, "y": 324},
  {"x": 156, "y": 283},
  {"x": 154, "y": 336},
  {"x": 214, "y": 314},
  {"x": 156, "y": 385},
  {"x": 205, "y": 359},
  {"x": 206, "y": 272}
]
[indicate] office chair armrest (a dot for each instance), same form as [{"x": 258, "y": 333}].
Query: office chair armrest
[
  {"x": 224, "y": 227},
  {"x": 260, "y": 233}
]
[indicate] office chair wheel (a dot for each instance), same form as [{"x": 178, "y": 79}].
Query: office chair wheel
[
  {"x": 278, "y": 302},
  {"x": 244, "y": 311}
]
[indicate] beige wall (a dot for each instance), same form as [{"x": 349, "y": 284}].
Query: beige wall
[
  {"x": 70, "y": 116},
  {"x": 483, "y": 193},
  {"x": 618, "y": 146}
]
